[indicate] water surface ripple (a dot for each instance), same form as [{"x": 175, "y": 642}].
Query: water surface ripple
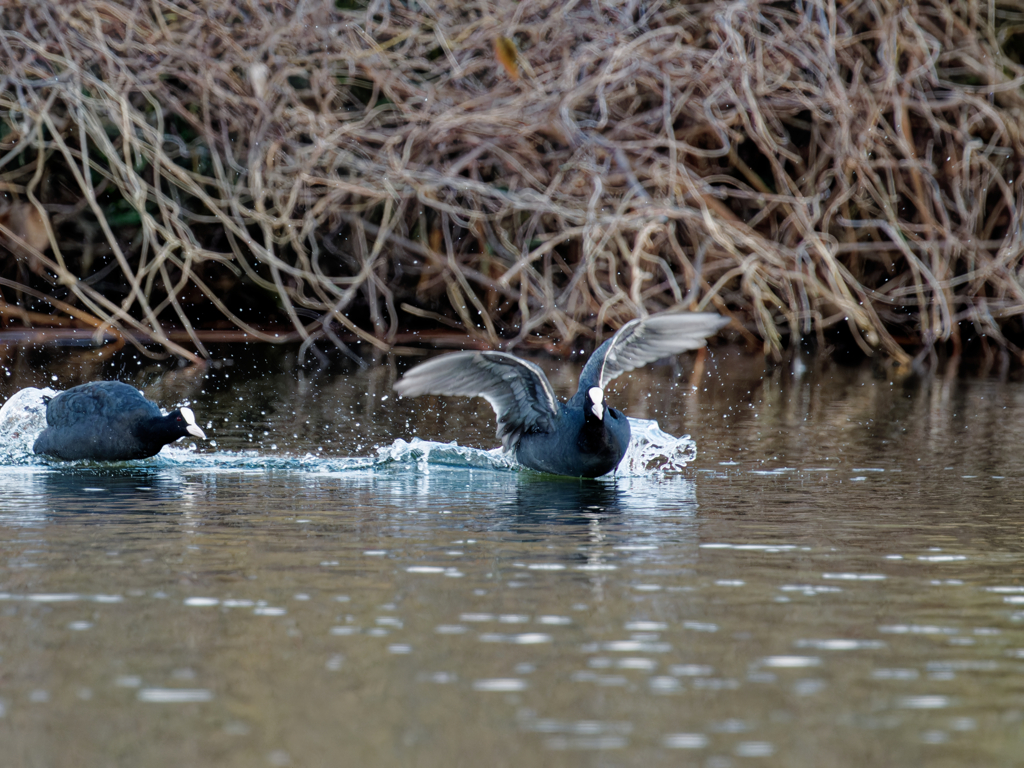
[{"x": 830, "y": 574}]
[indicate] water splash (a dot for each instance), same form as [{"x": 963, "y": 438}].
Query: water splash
[
  {"x": 22, "y": 418},
  {"x": 187, "y": 456},
  {"x": 401, "y": 454},
  {"x": 423, "y": 453},
  {"x": 654, "y": 452}
]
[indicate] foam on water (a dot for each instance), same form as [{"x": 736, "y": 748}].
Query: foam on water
[
  {"x": 186, "y": 456},
  {"x": 651, "y": 451},
  {"x": 654, "y": 452},
  {"x": 423, "y": 453},
  {"x": 22, "y": 418}
]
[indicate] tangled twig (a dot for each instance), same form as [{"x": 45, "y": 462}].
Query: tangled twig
[{"x": 213, "y": 164}]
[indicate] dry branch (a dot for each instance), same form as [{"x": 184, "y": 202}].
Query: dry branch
[{"x": 216, "y": 166}]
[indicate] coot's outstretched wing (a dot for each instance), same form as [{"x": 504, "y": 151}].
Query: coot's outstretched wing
[
  {"x": 517, "y": 390},
  {"x": 644, "y": 340}
]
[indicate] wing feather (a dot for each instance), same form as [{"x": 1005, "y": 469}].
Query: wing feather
[
  {"x": 517, "y": 390},
  {"x": 644, "y": 340}
]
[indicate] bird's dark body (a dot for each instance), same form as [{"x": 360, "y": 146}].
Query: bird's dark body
[
  {"x": 577, "y": 446},
  {"x": 105, "y": 421},
  {"x": 582, "y": 437}
]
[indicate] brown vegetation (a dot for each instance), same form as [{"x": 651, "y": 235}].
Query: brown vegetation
[{"x": 514, "y": 169}]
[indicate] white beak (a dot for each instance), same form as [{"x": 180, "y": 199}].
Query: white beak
[
  {"x": 190, "y": 420},
  {"x": 596, "y": 397}
]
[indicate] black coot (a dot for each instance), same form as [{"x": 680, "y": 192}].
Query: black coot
[
  {"x": 580, "y": 438},
  {"x": 109, "y": 421}
]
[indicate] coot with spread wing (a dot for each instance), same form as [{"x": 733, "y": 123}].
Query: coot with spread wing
[{"x": 583, "y": 437}]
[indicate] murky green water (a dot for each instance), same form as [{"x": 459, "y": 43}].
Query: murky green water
[{"x": 837, "y": 579}]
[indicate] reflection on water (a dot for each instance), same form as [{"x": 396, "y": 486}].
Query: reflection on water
[
  {"x": 834, "y": 580},
  {"x": 31, "y": 493}
]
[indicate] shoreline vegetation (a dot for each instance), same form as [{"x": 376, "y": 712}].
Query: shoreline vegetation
[{"x": 513, "y": 174}]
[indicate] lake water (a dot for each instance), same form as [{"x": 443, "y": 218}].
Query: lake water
[{"x": 837, "y": 578}]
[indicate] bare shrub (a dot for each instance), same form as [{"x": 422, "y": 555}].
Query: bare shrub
[{"x": 373, "y": 170}]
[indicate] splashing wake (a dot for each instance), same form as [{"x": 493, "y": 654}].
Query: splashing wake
[
  {"x": 22, "y": 418},
  {"x": 651, "y": 452},
  {"x": 654, "y": 452}
]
